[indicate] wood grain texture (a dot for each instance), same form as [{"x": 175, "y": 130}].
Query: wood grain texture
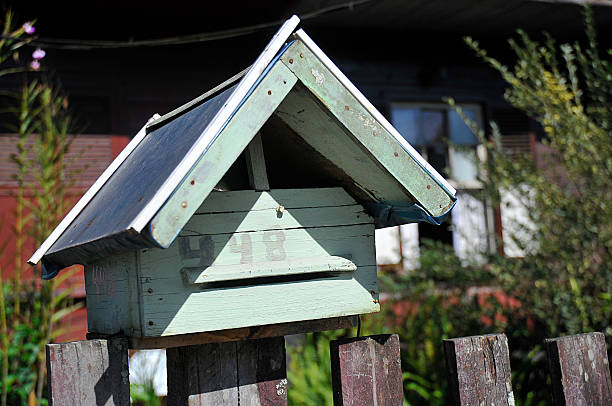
[
  {"x": 85, "y": 373},
  {"x": 112, "y": 290},
  {"x": 256, "y": 164},
  {"x": 364, "y": 131},
  {"x": 479, "y": 370},
  {"x": 286, "y": 267},
  {"x": 238, "y": 334},
  {"x": 251, "y": 236},
  {"x": 262, "y": 372},
  {"x": 220, "y": 155},
  {"x": 367, "y": 371},
  {"x": 202, "y": 375},
  {"x": 580, "y": 370},
  {"x": 251, "y": 200},
  {"x": 235, "y": 373}
]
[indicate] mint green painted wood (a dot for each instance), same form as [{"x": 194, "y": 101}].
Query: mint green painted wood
[
  {"x": 256, "y": 164},
  {"x": 303, "y": 113},
  {"x": 274, "y": 219},
  {"x": 361, "y": 128},
  {"x": 217, "y": 309},
  {"x": 233, "y": 139},
  {"x": 243, "y": 200},
  {"x": 226, "y": 250},
  {"x": 301, "y": 266},
  {"x": 113, "y": 295},
  {"x": 300, "y": 236}
]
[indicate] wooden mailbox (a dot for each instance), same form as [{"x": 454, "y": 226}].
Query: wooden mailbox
[{"x": 254, "y": 204}]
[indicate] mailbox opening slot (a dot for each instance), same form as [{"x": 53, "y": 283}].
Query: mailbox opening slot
[
  {"x": 267, "y": 280},
  {"x": 268, "y": 272}
]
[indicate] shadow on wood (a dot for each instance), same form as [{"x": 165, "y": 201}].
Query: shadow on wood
[
  {"x": 580, "y": 370},
  {"x": 252, "y": 371},
  {"x": 84, "y": 373},
  {"x": 367, "y": 371}
]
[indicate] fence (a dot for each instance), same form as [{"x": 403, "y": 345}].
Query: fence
[{"x": 365, "y": 371}]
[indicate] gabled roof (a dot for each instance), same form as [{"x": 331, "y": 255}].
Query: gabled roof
[{"x": 155, "y": 185}]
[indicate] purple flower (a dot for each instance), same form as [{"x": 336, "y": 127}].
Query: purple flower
[
  {"x": 35, "y": 65},
  {"x": 28, "y": 28},
  {"x": 38, "y": 54}
]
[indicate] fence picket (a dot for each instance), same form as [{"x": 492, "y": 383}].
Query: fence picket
[
  {"x": 479, "y": 370},
  {"x": 249, "y": 372},
  {"x": 92, "y": 372},
  {"x": 580, "y": 370},
  {"x": 367, "y": 371}
]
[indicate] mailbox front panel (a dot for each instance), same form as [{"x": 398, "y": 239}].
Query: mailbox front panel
[{"x": 251, "y": 258}]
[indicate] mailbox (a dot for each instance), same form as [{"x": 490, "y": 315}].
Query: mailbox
[{"x": 254, "y": 204}]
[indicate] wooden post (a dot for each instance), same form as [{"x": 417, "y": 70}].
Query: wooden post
[
  {"x": 367, "y": 371},
  {"x": 479, "y": 370},
  {"x": 579, "y": 370},
  {"x": 251, "y": 372},
  {"x": 93, "y": 372}
]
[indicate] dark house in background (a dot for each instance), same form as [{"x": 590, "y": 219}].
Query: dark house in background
[{"x": 405, "y": 56}]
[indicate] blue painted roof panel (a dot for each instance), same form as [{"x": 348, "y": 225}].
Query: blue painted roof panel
[{"x": 139, "y": 176}]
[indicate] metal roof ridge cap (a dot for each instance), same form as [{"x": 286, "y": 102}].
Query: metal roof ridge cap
[
  {"x": 191, "y": 104},
  {"x": 328, "y": 63},
  {"x": 89, "y": 195},
  {"x": 217, "y": 122}
]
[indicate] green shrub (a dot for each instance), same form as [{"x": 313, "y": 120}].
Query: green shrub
[{"x": 563, "y": 285}]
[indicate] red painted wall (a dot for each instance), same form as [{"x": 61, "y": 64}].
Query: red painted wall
[{"x": 93, "y": 154}]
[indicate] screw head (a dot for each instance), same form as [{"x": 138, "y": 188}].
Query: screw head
[
  {"x": 184, "y": 205},
  {"x": 150, "y": 290},
  {"x": 290, "y": 60},
  {"x": 269, "y": 92}
]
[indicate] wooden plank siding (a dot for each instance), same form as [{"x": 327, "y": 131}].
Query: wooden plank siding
[
  {"x": 328, "y": 252},
  {"x": 86, "y": 159},
  {"x": 84, "y": 373},
  {"x": 313, "y": 229}
]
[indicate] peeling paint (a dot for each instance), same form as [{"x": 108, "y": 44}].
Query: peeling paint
[{"x": 319, "y": 77}]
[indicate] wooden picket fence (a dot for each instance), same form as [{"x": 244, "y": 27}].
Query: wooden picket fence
[{"x": 365, "y": 371}]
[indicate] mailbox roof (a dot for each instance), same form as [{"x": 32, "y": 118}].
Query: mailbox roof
[{"x": 118, "y": 211}]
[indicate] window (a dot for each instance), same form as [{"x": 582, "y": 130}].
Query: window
[
  {"x": 430, "y": 128},
  {"x": 446, "y": 142}
]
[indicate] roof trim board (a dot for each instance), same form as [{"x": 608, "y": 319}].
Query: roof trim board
[
  {"x": 195, "y": 102},
  {"x": 233, "y": 138},
  {"x": 248, "y": 81},
  {"x": 91, "y": 192},
  {"x": 170, "y": 205},
  {"x": 301, "y": 35},
  {"x": 216, "y": 124}
]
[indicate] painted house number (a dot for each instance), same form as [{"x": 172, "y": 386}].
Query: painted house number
[{"x": 274, "y": 242}]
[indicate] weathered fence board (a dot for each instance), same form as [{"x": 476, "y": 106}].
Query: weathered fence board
[
  {"x": 367, "y": 371},
  {"x": 85, "y": 373},
  {"x": 580, "y": 370},
  {"x": 249, "y": 372},
  {"x": 479, "y": 370},
  {"x": 262, "y": 372}
]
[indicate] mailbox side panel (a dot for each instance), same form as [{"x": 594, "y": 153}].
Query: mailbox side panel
[
  {"x": 112, "y": 295},
  {"x": 313, "y": 225}
]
